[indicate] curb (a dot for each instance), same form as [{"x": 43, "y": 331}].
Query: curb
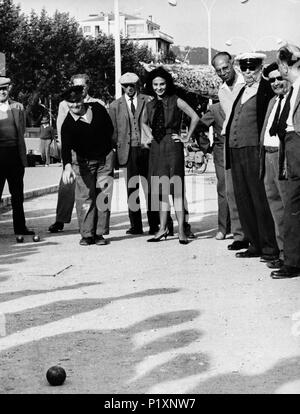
[{"x": 6, "y": 200}]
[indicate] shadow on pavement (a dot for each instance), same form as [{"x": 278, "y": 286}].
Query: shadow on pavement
[
  {"x": 285, "y": 371},
  {"x": 101, "y": 361}
]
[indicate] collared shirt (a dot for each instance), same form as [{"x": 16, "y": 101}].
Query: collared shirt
[
  {"x": 289, "y": 121},
  {"x": 129, "y": 100},
  {"x": 63, "y": 110},
  {"x": 87, "y": 117},
  {"x": 227, "y": 96},
  {"x": 249, "y": 92},
  {"x": 4, "y": 106},
  {"x": 274, "y": 140}
]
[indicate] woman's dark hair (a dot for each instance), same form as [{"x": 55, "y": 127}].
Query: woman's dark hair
[
  {"x": 284, "y": 54},
  {"x": 161, "y": 73}
]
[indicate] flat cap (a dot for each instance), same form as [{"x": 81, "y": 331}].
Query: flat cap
[
  {"x": 129, "y": 77},
  {"x": 4, "y": 81},
  {"x": 73, "y": 94},
  {"x": 248, "y": 56}
]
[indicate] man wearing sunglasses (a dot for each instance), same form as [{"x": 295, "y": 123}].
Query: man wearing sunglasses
[
  {"x": 13, "y": 154},
  {"x": 242, "y": 155},
  {"x": 269, "y": 155}
]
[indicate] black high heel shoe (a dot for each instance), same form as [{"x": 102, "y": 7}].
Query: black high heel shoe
[
  {"x": 183, "y": 241},
  {"x": 157, "y": 239}
]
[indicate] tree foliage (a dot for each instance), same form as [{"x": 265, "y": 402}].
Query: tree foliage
[{"x": 43, "y": 52}]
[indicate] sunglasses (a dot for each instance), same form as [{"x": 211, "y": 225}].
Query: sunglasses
[
  {"x": 250, "y": 66},
  {"x": 272, "y": 80},
  {"x": 126, "y": 85},
  {"x": 3, "y": 88}
]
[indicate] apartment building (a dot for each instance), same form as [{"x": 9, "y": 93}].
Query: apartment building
[{"x": 141, "y": 30}]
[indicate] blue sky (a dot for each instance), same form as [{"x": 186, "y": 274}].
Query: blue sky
[{"x": 257, "y": 23}]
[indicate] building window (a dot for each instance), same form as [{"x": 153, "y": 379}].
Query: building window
[
  {"x": 86, "y": 29},
  {"x": 134, "y": 29},
  {"x": 97, "y": 30}
]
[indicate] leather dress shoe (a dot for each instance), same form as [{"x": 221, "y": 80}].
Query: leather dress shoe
[
  {"x": 285, "y": 272},
  {"x": 275, "y": 264},
  {"x": 220, "y": 236},
  {"x": 100, "y": 241},
  {"x": 189, "y": 234},
  {"x": 238, "y": 245},
  {"x": 132, "y": 230},
  {"x": 87, "y": 241},
  {"x": 268, "y": 258},
  {"x": 247, "y": 254},
  {"x": 188, "y": 231},
  {"x": 56, "y": 227},
  {"x": 25, "y": 232}
]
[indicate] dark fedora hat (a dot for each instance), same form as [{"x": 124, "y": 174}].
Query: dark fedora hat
[{"x": 73, "y": 94}]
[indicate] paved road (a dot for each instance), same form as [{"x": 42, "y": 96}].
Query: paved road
[{"x": 134, "y": 317}]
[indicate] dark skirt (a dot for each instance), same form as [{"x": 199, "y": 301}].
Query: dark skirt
[{"x": 166, "y": 160}]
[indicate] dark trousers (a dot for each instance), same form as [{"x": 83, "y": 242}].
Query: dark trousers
[
  {"x": 136, "y": 168},
  {"x": 93, "y": 193},
  {"x": 65, "y": 202},
  {"x": 12, "y": 170},
  {"x": 291, "y": 245},
  {"x": 223, "y": 209},
  {"x": 276, "y": 195},
  {"x": 254, "y": 212}
]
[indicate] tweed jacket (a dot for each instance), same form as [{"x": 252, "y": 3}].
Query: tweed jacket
[
  {"x": 118, "y": 112},
  {"x": 18, "y": 113}
]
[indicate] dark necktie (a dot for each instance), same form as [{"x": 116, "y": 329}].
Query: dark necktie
[
  {"x": 132, "y": 107},
  {"x": 158, "y": 123},
  {"x": 273, "y": 129},
  {"x": 281, "y": 126}
]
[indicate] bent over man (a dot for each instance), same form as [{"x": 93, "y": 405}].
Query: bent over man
[{"x": 88, "y": 158}]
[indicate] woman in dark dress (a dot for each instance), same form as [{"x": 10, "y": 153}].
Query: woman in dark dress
[{"x": 162, "y": 122}]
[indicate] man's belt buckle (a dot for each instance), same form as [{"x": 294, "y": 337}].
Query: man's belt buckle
[{"x": 271, "y": 149}]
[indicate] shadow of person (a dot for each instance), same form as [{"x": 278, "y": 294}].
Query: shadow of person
[{"x": 285, "y": 371}]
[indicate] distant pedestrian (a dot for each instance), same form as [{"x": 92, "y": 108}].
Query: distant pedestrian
[
  {"x": 47, "y": 135},
  {"x": 13, "y": 154}
]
